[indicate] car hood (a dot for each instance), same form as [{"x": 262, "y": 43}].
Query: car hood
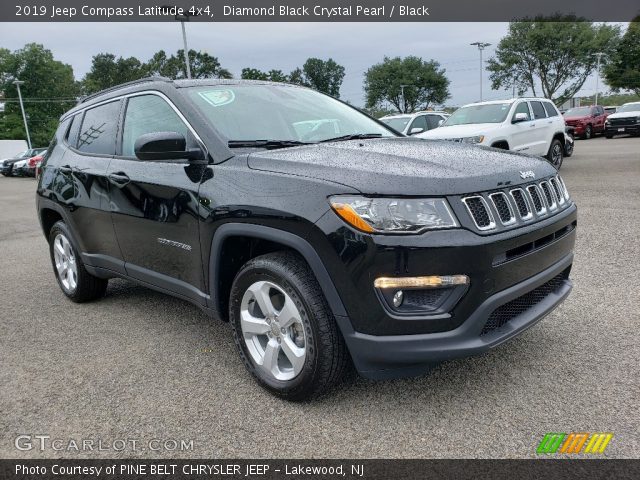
[
  {"x": 459, "y": 131},
  {"x": 405, "y": 166},
  {"x": 625, "y": 114}
]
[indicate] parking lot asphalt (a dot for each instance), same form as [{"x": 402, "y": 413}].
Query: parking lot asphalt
[{"x": 141, "y": 365}]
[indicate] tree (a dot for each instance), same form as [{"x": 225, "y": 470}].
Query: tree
[
  {"x": 324, "y": 76},
  {"x": 202, "y": 65},
  {"x": 554, "y": 55},
  {"x": 49, "y": 90},
  {"x": 107, "y": 71},
  {"x": 425, "y": 84},
  {"x": 271, "y": 75},
  {"x": 623, "y": 70}
]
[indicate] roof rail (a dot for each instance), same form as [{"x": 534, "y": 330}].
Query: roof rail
[{"x": 156, "y": 78}]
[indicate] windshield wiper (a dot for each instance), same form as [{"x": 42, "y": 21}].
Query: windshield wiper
[
  {"x": 268, "y": 144},
  {"x": 353, "y": 136}
]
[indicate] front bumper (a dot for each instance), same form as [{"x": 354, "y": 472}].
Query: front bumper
[
  {"x": 633, "y": 129},
  {"x": 394, "y": 356},
  {"x": 578, "y": 129}
]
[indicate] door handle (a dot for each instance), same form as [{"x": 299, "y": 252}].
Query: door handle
[
  {"x": 119, "y": 179},
  {"x": 65, "y": 169}
]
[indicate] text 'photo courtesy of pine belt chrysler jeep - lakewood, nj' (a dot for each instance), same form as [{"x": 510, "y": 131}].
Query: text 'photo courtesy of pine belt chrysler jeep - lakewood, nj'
[{"x": 325, "y": 238}]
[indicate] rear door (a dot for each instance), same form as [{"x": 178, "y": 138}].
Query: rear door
[
  {"x": 154, "y": 204},
  {"x": 79, "y": 180}
]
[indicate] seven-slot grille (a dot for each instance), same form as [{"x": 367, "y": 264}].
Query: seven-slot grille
[{"x": 520, "y": 204}]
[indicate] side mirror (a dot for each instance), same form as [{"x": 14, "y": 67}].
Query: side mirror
[
  {"x": 415, "y": 130},
  {"x": 520, "y": 117},
  {"x": 164, "y": 146}
]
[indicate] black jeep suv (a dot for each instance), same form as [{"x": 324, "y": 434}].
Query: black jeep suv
[{"x": 320, "y": 234}]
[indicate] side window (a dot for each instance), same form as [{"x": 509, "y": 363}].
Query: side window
[
  {"x": 148, "y": 114},
  {"x": 98, "y": 131},
  {"x": 538, "y": 110},
  {"x": 522, "y": 107},
  {"x": 550, "y": 109},
  {"x": 432, "y": 121},
  {"x": 600, "y": 110},
  {"x": 72, "y": 133},
  {"x": 419, "y": 122}
]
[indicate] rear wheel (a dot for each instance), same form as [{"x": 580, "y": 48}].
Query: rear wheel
[
  {"x": 555, "y": 154},
  {"x": 608, "y": 136},
  {"x": 74, "y": 280},
  {"x": 283, "y": 328}
]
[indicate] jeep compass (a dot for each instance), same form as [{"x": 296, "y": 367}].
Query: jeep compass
[{"x": 322, "y": 236}]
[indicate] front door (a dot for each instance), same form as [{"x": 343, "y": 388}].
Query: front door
[{"x": 154, "y": 204}]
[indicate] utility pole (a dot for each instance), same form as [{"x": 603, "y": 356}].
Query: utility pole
[
  {"x": 17, "y": 83},
  {"x": 599, "y": 55},
  {"x": 481, "y": 46},
  {"x": 182, "y": 19},
  {"x": 402, "y": 104}
]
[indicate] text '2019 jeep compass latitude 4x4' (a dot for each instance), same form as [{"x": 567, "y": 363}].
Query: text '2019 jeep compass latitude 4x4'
[{"x": 321, "y": 235}]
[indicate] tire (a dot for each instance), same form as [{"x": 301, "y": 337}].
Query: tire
[
  {"x": 283, "y": 282},
  {"x": 555, "y": 153},
  {"x": 608, "y": 136},
  {"x": 74, "y": 280},
  {"x": 568, "y": 148},
  {"x": 588, "y": 132}
]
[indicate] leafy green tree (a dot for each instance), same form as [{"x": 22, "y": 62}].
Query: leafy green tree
[
  {"x": 552, "y": 55},
  {"x": 623, "y": 70},
  {"x": 297, "y": 77},
  {"x": 49, "y": 90},
  {"x": 107, "y": 71},
  {"x": 425, "y": 84},
  {"x": 271, "y": 75},
  {"x": 323, "y": 75},
  {"x": 202, "y": 65}
]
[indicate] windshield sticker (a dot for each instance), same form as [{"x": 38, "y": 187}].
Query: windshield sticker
[{"x": 218, "y": 98}]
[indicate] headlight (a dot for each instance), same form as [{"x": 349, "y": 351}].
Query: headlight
[
  {"x": 476, "y": 139},
  {"x": 393, "y": 215}
]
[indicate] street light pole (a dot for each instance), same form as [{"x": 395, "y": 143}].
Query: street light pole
[
  {"x": 17, "y": 83},
  {"x": 185, "y": 18},
  {"x": 599, "y": 55},
  {"x": 402, "y": 98},
  {"x": 481, "y": 46}
]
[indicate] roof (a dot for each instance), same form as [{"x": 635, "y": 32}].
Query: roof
[{"x": 506, "y": 100}]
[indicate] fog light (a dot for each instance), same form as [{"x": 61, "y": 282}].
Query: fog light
[
  {"x": 397, "y": 298},
  {"x": 434, "y": 281}
]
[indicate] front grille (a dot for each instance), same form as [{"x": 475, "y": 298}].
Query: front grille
[
  {"x": 479, "y": 211},
  {"x": 503, "y": 208},
  {"x": 503, "y": 314},
  {"x": 519, "y": 205},
  {"x": 620, "y": 122}
]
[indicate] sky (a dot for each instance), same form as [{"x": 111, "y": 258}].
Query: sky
[{"x": 284, "y": 46}]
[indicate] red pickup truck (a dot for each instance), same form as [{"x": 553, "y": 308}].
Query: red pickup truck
[{"x": 586, "y": 121}]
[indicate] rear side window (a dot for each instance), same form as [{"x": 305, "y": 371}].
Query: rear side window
[
  {"x": 538, "y": 110},
  {"x": 550, "y": 109},
  {"x": 148, "y": 114},
  {"x": 98, "y": 131},
  {"x": 72, "y": 133},
  {"x": 433, "y": 121}
]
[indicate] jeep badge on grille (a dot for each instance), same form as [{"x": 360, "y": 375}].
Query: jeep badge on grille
[{"x": 527, "y": 174}]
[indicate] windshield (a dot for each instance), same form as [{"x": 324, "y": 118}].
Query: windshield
[
  {"x": 578, "y": 112},
  {"x": 489, "y": 113},
  {"x": 272, "y": 112},
  {"x": 397, "y": 123},
  {"x": 632, "y": 107}
]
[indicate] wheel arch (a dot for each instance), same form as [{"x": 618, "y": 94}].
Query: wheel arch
[{"x": 223, "y": 268}]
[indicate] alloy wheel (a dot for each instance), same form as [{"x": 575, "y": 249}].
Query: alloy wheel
[
  {"x": 556, "y": 154},
  {"x": 65, "y": 261},
  {"x": 273, "y": 331}
]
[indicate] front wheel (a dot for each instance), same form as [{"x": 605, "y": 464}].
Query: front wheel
[
  {"x": 588, "y": 132},
  {"x": 283, "y": 328},
  {"x": 555, "y": 154},
  {"x": 74, "y": 280}
]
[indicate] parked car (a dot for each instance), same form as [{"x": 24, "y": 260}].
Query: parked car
[
  {"x": 625, "y": 121},
  {"x": 20, "y": 168},
  {"x": 33, "y": 164},
  {"x": 414, "y": 123},
  {"x": 531, "y": 125},
  {"x": 7, "y": 165},
  {"x": 586, "y": 121},
  {"x": 317, "y": 247}
]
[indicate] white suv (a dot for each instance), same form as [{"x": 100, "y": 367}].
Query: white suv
[
  {"x": 528, "y": 125},
  {"x": 415, "y": 123}
]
